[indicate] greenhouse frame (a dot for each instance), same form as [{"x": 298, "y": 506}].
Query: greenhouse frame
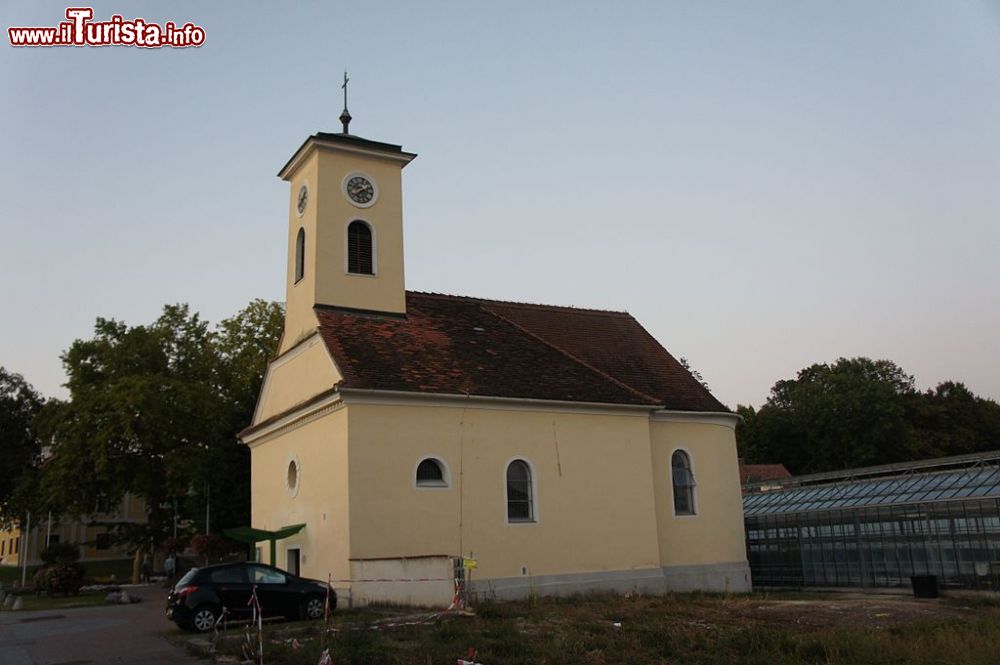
[{"x": 879, "y": 526}]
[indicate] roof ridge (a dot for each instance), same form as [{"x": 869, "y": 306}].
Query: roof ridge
[
  {"x": 572, "y": 357},
  {"x": 526, "y": 305}
]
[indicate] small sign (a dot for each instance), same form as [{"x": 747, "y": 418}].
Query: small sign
[{"x": 469, "y": 564}]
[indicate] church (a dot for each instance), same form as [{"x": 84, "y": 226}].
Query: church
[{"x": 409, "y": 437}]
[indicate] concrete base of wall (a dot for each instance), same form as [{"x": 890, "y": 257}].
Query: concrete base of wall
[
  {"x": 723, "y": 577},
  {"x": 717, "y": 577},
  {"x": 426, "y": 581}
]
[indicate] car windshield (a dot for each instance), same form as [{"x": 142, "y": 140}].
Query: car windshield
[{"x": 188, "y": 576}]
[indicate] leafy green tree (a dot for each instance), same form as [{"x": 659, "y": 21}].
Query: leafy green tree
[
  {"x": 154, "y": 411},
  {"x": 951, "y": 420},
  {"x": 859, "y": 412},
  {"x": 20, "y": 447},
  {"x": 243, "y": 346},
  {"x": 142, "y": 411},
  {"x": 747, "y": 435},
  {"x": 853, "y": 412}
]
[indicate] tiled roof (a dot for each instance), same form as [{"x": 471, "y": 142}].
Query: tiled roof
[
  {"x": 459, "y": 345},
  {"x": 755, "y": 473}
]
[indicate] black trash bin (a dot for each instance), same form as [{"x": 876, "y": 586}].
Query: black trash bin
[{"x": 925, "y": 586}]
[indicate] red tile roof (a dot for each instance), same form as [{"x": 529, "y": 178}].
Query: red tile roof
[
  {"x": 460, "y": 345},
  {"x": 755, "y": 473}
]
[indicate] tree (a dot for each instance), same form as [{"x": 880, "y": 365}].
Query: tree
[
  {"x": 243, "y": 346},
  {"x": 951, "y": 420},
  {"x": 143, "y": 410},
  {"x": 860, "y": 412},
  {"x": 695, "y": 373},
  {"x": 154, "y": 411},
  {"x": 747, "y": 435},
  {"x": 851, "y": 413},
  {"x": 20, "y": 447}
]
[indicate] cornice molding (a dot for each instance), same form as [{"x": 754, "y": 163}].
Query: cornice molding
[
  {"x": 294, "y": 420},
  {"x": 720, "y": 418}
]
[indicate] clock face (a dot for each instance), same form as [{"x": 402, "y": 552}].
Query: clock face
[
  {"x": 360, "y": 190},
  {"x": 303, "y": 199}
]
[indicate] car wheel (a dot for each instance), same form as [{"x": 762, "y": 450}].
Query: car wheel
[
  {"x": 203, "y": 618},
  {"x": 313, "y": 608}
]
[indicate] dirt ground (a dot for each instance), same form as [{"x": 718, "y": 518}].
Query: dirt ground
[{"x": 845, "y": 610}]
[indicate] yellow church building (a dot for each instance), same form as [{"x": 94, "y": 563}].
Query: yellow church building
[{"x": 561, "y": 449}]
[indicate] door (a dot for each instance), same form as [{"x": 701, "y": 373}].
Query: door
[{"x": 293, "y": 561}]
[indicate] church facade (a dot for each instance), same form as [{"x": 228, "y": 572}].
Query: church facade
[{"x": 560, "y": 449}]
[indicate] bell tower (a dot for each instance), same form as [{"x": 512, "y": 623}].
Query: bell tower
[{"x": 345, "y": 228}]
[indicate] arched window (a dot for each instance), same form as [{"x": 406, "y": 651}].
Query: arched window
[
  {"x": 683, "y": 480},
  {"x": 300, "y": 254},
  {"x": 431, "y": 473},
  {"x": 520, "y": 499},
  {"x": 359, "y": 248}
]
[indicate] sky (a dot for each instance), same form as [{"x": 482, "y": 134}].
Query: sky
[{"x": 763, "y": 185}]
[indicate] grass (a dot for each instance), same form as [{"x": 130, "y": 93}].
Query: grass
[
  {"x": 690, "y": 628},
  {"x": 94, "y": 571},
  {"x": 33, "y": 602}
]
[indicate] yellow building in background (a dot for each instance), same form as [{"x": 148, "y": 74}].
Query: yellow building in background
[
  {"x": 562, "y": 449},
  {"x": 92, "y": 533}
]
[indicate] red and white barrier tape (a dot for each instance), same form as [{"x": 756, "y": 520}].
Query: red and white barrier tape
[{"x": 399, "y": 579}]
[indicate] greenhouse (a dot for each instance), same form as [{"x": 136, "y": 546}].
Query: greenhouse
[{"x": 879, "y": 526}]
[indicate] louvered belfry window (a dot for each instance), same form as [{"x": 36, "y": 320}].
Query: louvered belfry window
[{"x": 359, "y": 248}]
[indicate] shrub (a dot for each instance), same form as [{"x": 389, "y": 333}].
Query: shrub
[
  {"x": 210, "y": 546},
  {"x": 60, "y": 577}
]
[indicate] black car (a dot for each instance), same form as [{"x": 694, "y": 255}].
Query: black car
[{"x": 198, "y": 598}]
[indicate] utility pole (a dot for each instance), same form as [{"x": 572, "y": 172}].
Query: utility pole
[
  {"x": 208, "y": 506},
  {"x": 25, "y": 542}
]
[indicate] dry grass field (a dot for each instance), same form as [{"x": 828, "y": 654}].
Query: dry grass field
[{"x": 675, "y": 628}]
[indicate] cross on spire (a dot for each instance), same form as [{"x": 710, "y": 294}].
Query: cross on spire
[{"x": 345, "y": 116}]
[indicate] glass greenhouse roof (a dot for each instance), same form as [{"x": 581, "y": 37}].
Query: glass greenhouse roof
[{"x": 970, "y": 483}]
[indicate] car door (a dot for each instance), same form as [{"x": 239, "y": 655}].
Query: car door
[
  {"x": 276, "y": 598},
  {"x": 233, "y": 588}
]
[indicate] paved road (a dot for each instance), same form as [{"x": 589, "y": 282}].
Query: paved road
[{"x": 111, "y": 635}]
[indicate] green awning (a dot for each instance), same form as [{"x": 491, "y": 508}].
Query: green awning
[
  {"x": 248, "y": 534},
  {"x": 252, "y": 536}
]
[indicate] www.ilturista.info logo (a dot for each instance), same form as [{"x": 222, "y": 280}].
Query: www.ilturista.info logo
[{"x": 80, "y": 30}]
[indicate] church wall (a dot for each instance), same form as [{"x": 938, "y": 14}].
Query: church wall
[
  {"x": 706, "y": 543},
  {"x": 305, "y": 372},
  {"x": 594, "y": 492},
  {"x": 320, "y": 502},
  {"x": 300, "y": 297},
  {"x": 383, "y": 291}
]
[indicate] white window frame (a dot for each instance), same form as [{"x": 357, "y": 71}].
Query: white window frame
[
  {"x": 445, "y": 473},
  {"x": 535, "y": 519},
  {"x": 347, "y": 247},
  {"x": 694, "y": 477}
]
